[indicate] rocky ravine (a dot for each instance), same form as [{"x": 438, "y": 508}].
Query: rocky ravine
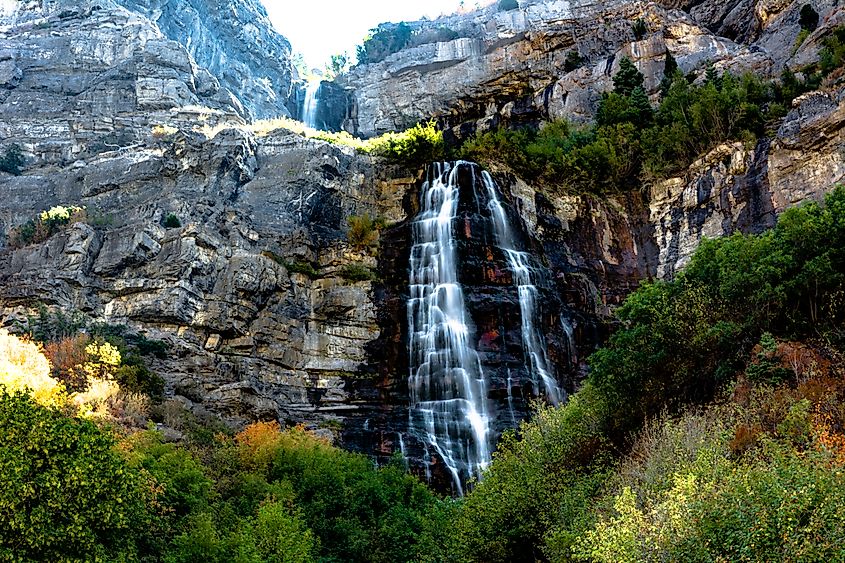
[{"x": 115, "y": 113}]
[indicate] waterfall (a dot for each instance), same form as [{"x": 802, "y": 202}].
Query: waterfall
[
  {"x": 533, "y": 342},
  {"x": 448, "y": 390},
  {"x": 309, "y": 106}
]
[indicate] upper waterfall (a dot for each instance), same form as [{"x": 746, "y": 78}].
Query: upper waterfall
[{"x": 310, "y": 104}]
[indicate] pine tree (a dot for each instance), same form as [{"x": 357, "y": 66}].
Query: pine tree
[
  {"x": 641, "y": 107},
  {"x": 628, "y": 77},
  {"x": 670, "y": 67},
  {"x": 711, "y": 76}
]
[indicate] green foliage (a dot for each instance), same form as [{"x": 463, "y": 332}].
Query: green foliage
[
  {"x": 337, "y": 66},
  {"x": 680, "y": 339},
  {"x": 573, "y": 60},
  {"x": 683, "y": 496},
  {"x": 631, "y": 142},
  {"x": 507, "y": 5},
  {"x": 693, "y": 119},
  {"x": 538, "y": 485},
  {"x": 67, "y": 495},
  {"x": 45, "y": 225},
  {"x": 53, "y": 325},
  {"x": 413, "y": 148},
  {"x": 12, "y": 160},
  {"x": 172, "y": 222},
  {"x": 808, "y": 18},
  {"x": 628, "y": 78},
  {"x": 359, "y": 513},
  {"x": 832, "y": 54},
  {"x": 363, "y": 232},
  {"x": 357, "y": 272},
  {"x": 640, "y": 29},
  {"x": 383, "y": 41},
  {"x": 302, "y": 267},
  {"x": 670, "y": 69}
]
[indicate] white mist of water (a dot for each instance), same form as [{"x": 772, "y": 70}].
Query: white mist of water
[
  {"x": 309, "y": 106},
  {"x": 533, "y": 342},
  {"x": 447, "y": 386}
]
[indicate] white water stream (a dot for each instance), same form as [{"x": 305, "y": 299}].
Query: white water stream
[
  {"x": 533, "y": 342},
  {"x": 447, "y": 386}
]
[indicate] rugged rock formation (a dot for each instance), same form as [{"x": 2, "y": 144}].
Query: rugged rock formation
[
  {"x": 236, "y": 43},
  {"x": 510, "y": 67}
]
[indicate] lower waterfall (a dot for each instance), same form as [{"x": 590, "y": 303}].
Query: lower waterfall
[
  {"x": 448, "y": 390},
  {"x": 519, "y": 262}
]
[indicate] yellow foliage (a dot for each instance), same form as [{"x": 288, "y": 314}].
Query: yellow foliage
[
  {"x": 94, "y": 403},
  {"x": 24, "y": 367},
  {"x": 103, "y": 359},
  {"x": 60, "y": 213},
  {"x": 161, "y": 131},
  {"x": 259, "y": 442}
]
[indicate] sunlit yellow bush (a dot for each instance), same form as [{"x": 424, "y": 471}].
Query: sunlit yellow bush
[
  {"x": 24, "y": 366},
  {"x": 96, "y": 400},
  {"x": 103, "y": 359}
]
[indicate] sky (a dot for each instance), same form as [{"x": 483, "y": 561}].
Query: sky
[{"x": 321, "y": 28}]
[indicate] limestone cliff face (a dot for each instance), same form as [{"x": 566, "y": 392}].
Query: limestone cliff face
[
  {"x": 509, "y": 67},
  {"x": 236, "y": 43}
]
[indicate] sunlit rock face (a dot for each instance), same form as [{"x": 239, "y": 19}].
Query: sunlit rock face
[
  {"x": 510, "y": 68},
  {"x": 235, "y": 41}
]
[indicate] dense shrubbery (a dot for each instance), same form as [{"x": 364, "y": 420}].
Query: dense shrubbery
[
  {"x": 631, "y": 141},
  {"x": 12, "y": 160},
  {"x": 693, "y": 492},
  {"x": 67, "y": 494}
]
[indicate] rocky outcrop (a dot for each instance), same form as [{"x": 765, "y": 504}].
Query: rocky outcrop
[{"x": 511, "y": 67}]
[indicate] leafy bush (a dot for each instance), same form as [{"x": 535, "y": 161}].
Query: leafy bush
[
  {"x": 363, "y": 232},
  {"x": 573, "y": 60},
  {"x": 12, "y": 160},
  {"x": 67, "y": 493},
  {"x": 23, "y": 368},
  {"x": 507, "y": 5},
  {"x": 302, "y": 267},
  {"x": 383, "y": 41},
  {"x": 172, "y": 222},
  {"x": 357, "y": 272},
  {"x": 413, "y": 148},
  {"x": 45, "y": 225}
]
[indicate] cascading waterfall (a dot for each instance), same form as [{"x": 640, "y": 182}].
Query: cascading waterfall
[
  {"x": 447, "y": 386},
  {"x": 309, "y": 106},
  {"x": 533, "y": 342}
]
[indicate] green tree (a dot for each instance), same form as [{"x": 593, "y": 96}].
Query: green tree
[
  {"x": 670, "y": 69},
  {"x": 628, "y": 78},
  {"x": 12, "y": 160},
  {"x": 67, "y": 494}
]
